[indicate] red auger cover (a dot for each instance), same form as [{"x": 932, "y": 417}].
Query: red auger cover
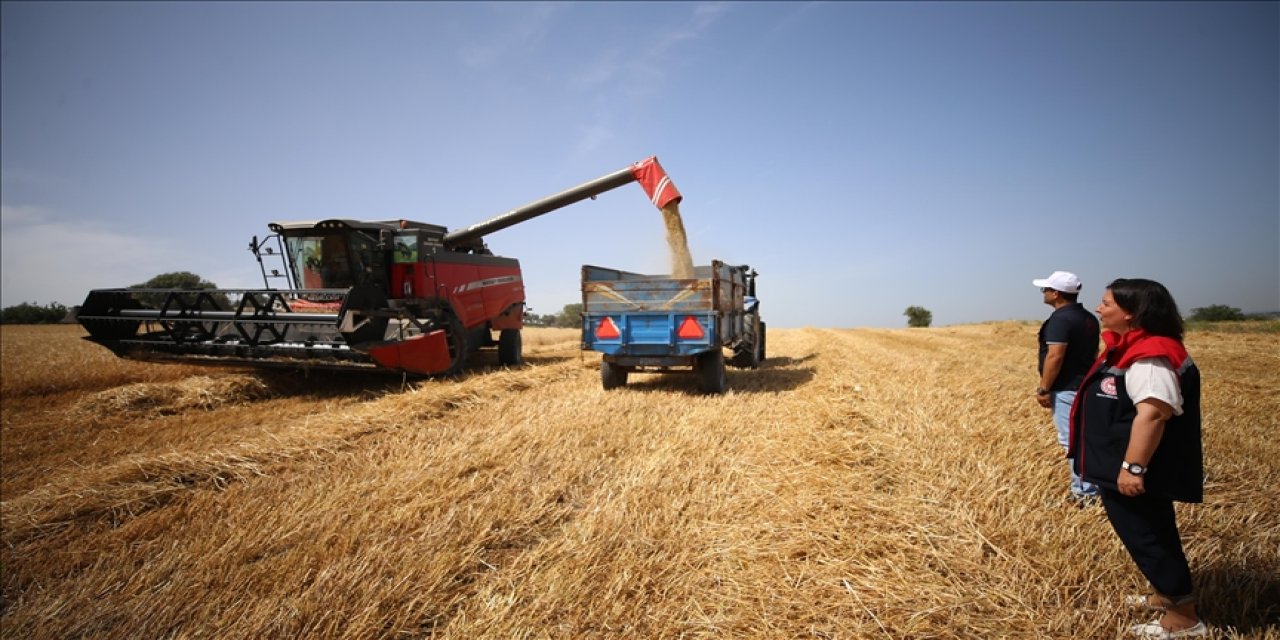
[{"x": 662, "y": 191}]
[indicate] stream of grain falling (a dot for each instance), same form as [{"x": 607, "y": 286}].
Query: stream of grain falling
[{"x": 681, "y": 261}]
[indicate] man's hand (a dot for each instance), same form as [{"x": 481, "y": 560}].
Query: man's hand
[{"x": 1130, "y": 485}]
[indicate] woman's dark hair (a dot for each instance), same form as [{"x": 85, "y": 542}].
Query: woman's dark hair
[{"x": 1153, "y": 308}]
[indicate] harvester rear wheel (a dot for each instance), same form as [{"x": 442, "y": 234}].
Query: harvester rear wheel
[
  {"x": 612, "y": 376},
  {"x": 510, "y": 348},
  {"x": 711, "y": 375}
]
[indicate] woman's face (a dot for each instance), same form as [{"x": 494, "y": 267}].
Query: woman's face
[{"x": 1111, "y": 315}]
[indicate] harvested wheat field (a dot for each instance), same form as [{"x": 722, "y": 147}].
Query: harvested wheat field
[{"x": 861, "y": 484}]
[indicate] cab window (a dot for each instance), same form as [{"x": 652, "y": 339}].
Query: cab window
[{"x": 324, "y": 261}]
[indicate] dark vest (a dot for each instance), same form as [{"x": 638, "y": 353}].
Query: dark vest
[{"x": 1101, "y": 423}]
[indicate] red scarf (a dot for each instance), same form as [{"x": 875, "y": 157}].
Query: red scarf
[
  {"x": 1124, "y": 350},
  {"x": 1136, "y": 344}
]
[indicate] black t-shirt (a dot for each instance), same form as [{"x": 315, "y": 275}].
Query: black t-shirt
[{"x": 1075, "y": 327}]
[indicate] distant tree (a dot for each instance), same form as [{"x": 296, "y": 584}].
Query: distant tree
[
  {"x": 178, "y": 280},
  {"x": 570, "y": 316},
  {"x": 534, "y": 320},
  {"x": 31, "y": 313},
  {"x": 918, "y": 317},
  {"x": 1215, "y": 313}
]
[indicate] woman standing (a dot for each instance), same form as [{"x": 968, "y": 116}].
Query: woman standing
[{"x": 1135, "y": 432}]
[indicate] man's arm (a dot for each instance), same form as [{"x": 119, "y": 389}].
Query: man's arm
[{"x": 1054, "y": 355}]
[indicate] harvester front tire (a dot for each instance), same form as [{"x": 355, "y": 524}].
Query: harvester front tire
[
  {"x": 457, "y": 341},
  {"x": 711, "y": 375},
  {"x": 510, "y": 348},
  {"x": 612, "y": 376}
]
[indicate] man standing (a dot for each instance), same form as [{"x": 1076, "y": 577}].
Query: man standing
[{"x": 1068, "y": 347}]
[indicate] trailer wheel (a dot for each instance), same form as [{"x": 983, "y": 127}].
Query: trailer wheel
[
  {"x": 711, "y": 375},
  {"x": 510, "y": 347},
  {"x": 612, "y": 376}
]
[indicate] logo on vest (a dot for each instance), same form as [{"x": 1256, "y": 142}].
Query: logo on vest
[{"x": 1109, "y": 386}]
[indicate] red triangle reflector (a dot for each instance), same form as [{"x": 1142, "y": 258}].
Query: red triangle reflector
[
  {"x": 607, "y": 329},
  {"x": 689, "y": 329}
]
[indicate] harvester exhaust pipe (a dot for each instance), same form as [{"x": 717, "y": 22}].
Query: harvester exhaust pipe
[{"x": 648, "y": 172}]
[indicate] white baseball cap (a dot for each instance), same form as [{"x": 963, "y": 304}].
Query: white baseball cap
[{"x": 1063, "y": 281}]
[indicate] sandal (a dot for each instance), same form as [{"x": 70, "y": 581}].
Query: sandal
[{"x": 1155, "y": 631}]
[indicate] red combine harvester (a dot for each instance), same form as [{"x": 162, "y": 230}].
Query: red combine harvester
[{"x": 394, "y": 296}]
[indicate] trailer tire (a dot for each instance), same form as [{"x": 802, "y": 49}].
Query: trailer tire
[
  {"x": 510, "y": 347},
  {"x": 612, "y": 376},
  {"x": 711, "y": 375}
]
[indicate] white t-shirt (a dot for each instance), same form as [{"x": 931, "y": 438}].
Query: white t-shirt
[{"x": 1154, "y": 378}]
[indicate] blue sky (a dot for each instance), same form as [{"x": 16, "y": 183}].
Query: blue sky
[{"x": 864, "y": 157}]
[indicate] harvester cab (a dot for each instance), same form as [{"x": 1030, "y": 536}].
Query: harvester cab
[
  {"x": 391, "y": 295},
  {"x": 330, "y": 254},
  {"x": 340, "y": 254}
]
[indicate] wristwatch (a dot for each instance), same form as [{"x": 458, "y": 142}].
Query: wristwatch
[
  {"x": 1041, "y": 391},
  {"x": 1135, "y": 469}
]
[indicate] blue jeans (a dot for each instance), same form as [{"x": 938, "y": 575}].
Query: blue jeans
[{"x": 1062, "y": 401}]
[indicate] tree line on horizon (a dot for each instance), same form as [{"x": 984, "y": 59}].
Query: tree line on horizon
[{"x": 568, "y": 317}]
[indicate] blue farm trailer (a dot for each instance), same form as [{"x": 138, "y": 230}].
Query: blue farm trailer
[{"x": 655, "y": 323}]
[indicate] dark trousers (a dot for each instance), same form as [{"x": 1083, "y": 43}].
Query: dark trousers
[{"x": 1147, "y": 527}]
